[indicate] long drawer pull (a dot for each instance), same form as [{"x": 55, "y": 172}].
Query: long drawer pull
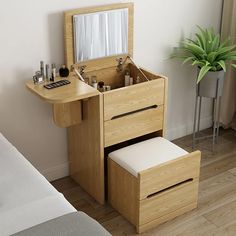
[
  {"x": 171, "y": 187},
  {"x": 133, "y": 112}
]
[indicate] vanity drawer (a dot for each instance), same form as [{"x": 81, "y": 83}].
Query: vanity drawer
[
  {"x": 133, "y": 125},
  {"x": 175, "y": 199},
  {"x": 132, "y": 98}
]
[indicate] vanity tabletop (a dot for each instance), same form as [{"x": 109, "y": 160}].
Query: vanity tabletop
[{"x": 74, "y": 91}]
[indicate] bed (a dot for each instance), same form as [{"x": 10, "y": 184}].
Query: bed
[{"x": 28, "y": 201}]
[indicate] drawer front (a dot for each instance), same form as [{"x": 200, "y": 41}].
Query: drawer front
[
  {"x": 167, "y": 202},
  {"x": 132, "y": 98},
  {"x": 169, "y": 173},
  {"x": 133, "y": 125}
]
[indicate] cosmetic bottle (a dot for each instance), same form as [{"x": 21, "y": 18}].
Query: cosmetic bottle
[
  {"x": 47, "y": 72},
  {"x": 100, "y": 86},
  {"x": 38, "y": 77},
  {"x": 86, "y": 80},
  {"x": 127, "y": 77},
  {"x": 94, "y": 82},
  {"x": 63, "y": 71},
  {"x": 42, "y": 69},
  {"x": 53, "y": 72},
  {"x": 131, "y": 81}
]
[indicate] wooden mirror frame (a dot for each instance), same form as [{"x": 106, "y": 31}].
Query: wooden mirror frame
[{"x": 69, "y": 36}]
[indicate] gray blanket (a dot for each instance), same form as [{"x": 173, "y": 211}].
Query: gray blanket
[{"x": 73, "y": 224}]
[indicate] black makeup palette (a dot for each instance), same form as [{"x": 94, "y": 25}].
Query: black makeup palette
[{"x": 57, "y": 84}]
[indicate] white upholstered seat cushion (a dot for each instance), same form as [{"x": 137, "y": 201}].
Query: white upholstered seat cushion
[{"x": 144, "y": 155}]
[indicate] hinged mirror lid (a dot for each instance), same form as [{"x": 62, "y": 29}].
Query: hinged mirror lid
[{"x": 97, "y": 36}]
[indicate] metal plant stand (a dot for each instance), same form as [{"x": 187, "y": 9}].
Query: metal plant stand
[{"x": 216, "y": 116}]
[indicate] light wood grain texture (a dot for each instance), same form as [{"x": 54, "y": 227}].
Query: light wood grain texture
[
  {"x": 164, "y": 218},
  {"x": 126, "y": 204},
  {"x": 86, "y": 153},
  {"x": 157, "y": 192},
  {"x": 228, "y": 230},
  {"x": 169, "y": 173},
  {"x": 161, "y": 207},
  {"x": 76, "y": 90},
  {"x": 135, "y": 73},
  {"x": 127, "y": 99},
  {"x": 219, "y": 166},
  {"x": 233, "y": 171},
  {"x": 133, "y": 125},
  {"x": 110, "y": 76},
  {"x": 165, "y": 108},
  {"x": 223, "y": 215},
  {"x": 69, "y": 41},
  {"x": 151, "y": 75},
  {"x": 67, "y": 114}
]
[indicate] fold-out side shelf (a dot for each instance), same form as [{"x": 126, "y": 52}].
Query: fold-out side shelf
[
  {"x": 76, "y": 90},
  {"x": 66, "y": 100}
]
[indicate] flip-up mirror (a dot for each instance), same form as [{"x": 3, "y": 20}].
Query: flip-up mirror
[{"x": 98, "y": 34}]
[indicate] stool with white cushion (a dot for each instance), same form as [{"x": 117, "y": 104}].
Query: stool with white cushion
[{"x": 153, "y": 181}]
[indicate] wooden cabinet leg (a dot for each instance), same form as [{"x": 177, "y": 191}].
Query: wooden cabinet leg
[{"x": 86, "y": 149}]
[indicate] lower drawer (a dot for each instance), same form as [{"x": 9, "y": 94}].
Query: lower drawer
[
  {"x": 133, "y": 125},
  {"x": 168, "y": 201}
]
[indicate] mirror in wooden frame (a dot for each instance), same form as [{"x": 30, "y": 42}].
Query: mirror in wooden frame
[{"x": 97, "y": 55}]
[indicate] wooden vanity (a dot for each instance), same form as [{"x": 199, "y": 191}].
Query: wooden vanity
[{"x": 100, "y": 121}]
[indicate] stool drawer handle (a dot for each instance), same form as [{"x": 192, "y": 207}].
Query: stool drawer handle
[
  {"x": 136, "y": 111},
  {"x": 171, "y": 187}
]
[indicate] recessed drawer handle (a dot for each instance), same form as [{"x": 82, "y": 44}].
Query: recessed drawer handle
[
  {"x": 136, "y": 111},
  {"x": 171, "y": 187}
]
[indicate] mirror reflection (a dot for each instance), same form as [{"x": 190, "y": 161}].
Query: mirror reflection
[{"x": 100, "y": 34}]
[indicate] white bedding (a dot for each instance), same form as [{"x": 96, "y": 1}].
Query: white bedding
[
  {"x": 26, "y": 197},
  {"x": 33, "y": 213}
]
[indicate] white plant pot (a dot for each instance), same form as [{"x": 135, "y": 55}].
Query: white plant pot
[{"x": 212, "y": 84}]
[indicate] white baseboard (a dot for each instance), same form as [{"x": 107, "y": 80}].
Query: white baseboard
[
  {"x": 187, "y": 129},
  {"x": 62, "y": 170},
  {"x": 56, "y": 172}
]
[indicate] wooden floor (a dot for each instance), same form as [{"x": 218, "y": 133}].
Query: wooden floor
[{"x": 216, "y": 212}]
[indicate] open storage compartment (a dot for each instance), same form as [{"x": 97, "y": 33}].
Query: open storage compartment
[{"x": 134, "y": 110}]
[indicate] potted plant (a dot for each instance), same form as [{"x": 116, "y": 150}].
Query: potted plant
[{"x": 210, "y": 55}]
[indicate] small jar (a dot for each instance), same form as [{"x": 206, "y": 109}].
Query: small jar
[
  {"x": 38, "y": 77},
  {"x": 100, "y": 86},
  {"x": 94, "y": 82},
  {"x": 63, "y": 71}
]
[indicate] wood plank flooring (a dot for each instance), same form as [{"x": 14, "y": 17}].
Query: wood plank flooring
[{"x": 216, "y": 212}]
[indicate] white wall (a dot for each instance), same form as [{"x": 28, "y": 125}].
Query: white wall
[{"x": 33, "y": 30}]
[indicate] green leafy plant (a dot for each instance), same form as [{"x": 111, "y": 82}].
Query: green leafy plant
[{"x": 207, "y": 52}]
